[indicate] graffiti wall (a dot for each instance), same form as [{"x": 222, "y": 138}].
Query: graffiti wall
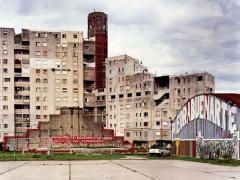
[
  {"x": 216, "y": 115},
  {"x": 208, "y": 148},
  {"x": 215, "y": 149},
  {"x": 184, "y": 148}
]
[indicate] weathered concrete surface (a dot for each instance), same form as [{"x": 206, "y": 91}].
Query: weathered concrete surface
[{"x": 133, "y": 168}]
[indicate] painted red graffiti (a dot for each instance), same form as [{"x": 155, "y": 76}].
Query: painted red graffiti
[{"x": 77, "y": 140}]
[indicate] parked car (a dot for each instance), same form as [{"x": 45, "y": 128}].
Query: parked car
[{"x": 158, "y": 150}]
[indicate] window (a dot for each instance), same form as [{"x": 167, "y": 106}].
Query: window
[
  {"x": 45, "y": 35},
  {"x": 38, "y": 107},
  {"x": 138, "y": 94},
  {"x": 5, "y": 43},
  {"x": 145, "y": 124},
  {"x": 38, "y": 53},
  {"x": 127, "y": 134},
  {"x": 5, "y": 33},
  {"x": 38, "y": 80},
  {"x": 37, "y": 98},
  {"x": 75, "y": 72},
  {"x": 5, "y": 98},
  {"x": 75, "y": 81},
  {"x": 121, "y": 96},
  {"x": 113, "y": 97},
  {"x": 5, "y": 89},
  {"x": 129, "y": 95},
  {"x": 5, "y": 107},
  {"x": 38, "y": 89},
  {"x": 45, "y": 53},
  {"x": 200, "y": 78},
  {"x": 75, "y": 63},
  {"x": 121, "y": 116},
  {"x": 64, "y": 36},
  {"x": 25, "y": 61},
  {"x": 157, "y": 123},
  {"x": 57, "y": 35},
  {"x": 147, "y": 93},
  {"x": 45, "y": 89},
  {"x": 64, "y": 90},
  {"x": 75, "y": 90},
  {"x": 5, "y": 125},
  {"x": 144, "y": 104},
  {"x": 5, "y": 61},
  {"x": 74, "y": 36},
  {"x": 64, "y": 81},
  {"x": 38, "y": 44},
  {"x": 6, "y": 79},
  {"x": 75, "y": 99},
  {"x": 64, "y": 71},
  {"x": 64, "y": 54},
  {"x": 45, "y": 71},
  {"x": 74, "y": 45},
  {"x": 64, "y": 99},
  {"x": 121, "y": 125},
  {"x": 121, "y": 106},
  {"x": 127, "y": 106},
  {"x": 57, "y": 89},
  {"x": 37, "y": 34},
  {"x": 38, "y": 116},
  {"x": 57, "y": 54},
  {"x": 45, "y": 80},
  {"x": 75, "y": 54},
  {"x": 38, "y": 71},
  {"x": 5, "y": 70},
  {"x": 45, "y": 116},
  {"x": 57, "y": 99},
  {"x": 64, "y": 63},
  {"x": 5, "y": 52},
  {"x": 45, "y": 98},
  {"x": 57, "y": 44},
  {"x": 145, "y": 114}
]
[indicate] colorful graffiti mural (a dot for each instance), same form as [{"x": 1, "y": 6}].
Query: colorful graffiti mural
[
  {"x": 214, "y": 149},
  {"x": 222, "y": 114}
]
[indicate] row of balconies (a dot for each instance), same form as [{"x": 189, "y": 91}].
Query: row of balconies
[{"x": 21, "y": 101}]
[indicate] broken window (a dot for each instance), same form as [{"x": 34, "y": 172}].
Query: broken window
[{"x": 200, "y": 78}]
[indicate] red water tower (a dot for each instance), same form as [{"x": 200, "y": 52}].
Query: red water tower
[{"x": 97, "y": 27}]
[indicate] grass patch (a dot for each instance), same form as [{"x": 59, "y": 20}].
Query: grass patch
[{"x": 9, "y": 156}]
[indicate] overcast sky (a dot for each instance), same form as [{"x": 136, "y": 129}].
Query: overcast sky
[{"x": 170, "y": 37}]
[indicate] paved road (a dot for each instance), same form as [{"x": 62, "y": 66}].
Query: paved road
[{"x": 139, "y": 169}]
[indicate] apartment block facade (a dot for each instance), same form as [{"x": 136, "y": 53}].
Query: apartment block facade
[
  {"x": 44, "y": 71},
  {"x": 141, "y": 106}
]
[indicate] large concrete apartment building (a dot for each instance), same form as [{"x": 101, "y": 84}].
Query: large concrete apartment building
[
  {"x": 44, "y": 71},
  {"x": 141, "y": 106}
]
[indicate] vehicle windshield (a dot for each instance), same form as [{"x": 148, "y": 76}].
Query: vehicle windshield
[{"x": 155, "y": 147}]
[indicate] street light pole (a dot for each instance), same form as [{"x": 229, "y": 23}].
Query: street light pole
[{"x": 171, "y": 121}]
